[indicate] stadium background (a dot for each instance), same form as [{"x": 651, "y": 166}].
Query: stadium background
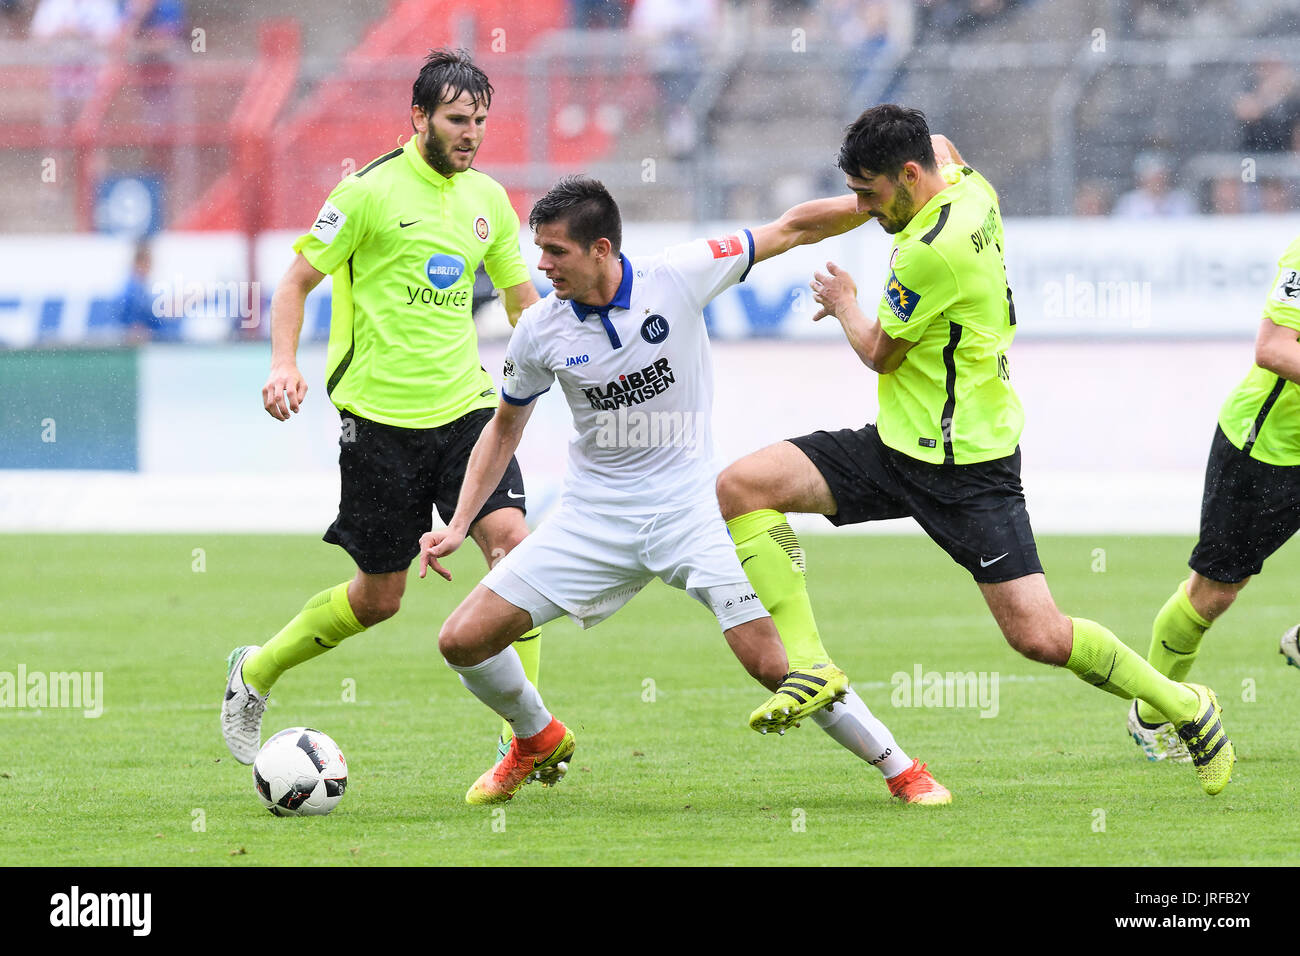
[
  {"x": 1145, "y": 152},
  {"x": 214, "y": 130}
]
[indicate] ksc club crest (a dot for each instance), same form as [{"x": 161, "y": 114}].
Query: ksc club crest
[
  {"x": 481, "y": 228},
  {"x": 654, "y": 329}
]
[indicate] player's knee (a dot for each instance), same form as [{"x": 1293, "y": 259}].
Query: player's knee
[
  {"x": 374, "y": 608},
  {"x": 736, "y": 492},
  {"x": 505, "y": 542},
  {"x": 502, "y": 537},
  {"x": 455, "y": 641},
  {"x": 1037, "y": 649},
  {"x": 1044, "y": 642},
  {"x": 1211, "y": 598}
]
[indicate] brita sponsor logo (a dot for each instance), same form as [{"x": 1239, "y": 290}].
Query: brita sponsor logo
[{"x": 444, "y": 271}]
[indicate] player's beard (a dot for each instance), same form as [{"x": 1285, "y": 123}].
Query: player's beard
[
  {"x": 902, "y": 213},
  {"x": 438, "y": 155}
]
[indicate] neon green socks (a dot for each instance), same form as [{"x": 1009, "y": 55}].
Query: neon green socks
[
  {"x": 1175, "y": 642},
  {"x": 323, "y": 622},
  {"x": 1101, "y": 659},
  {"x": 771, "y": 557}
]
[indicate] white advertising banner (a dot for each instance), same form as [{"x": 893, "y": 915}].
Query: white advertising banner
[{"x": 1192, "y": 277}]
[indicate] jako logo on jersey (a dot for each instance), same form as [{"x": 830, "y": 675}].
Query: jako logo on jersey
[
  {"x": 654, "y": 329},
  {"x": 444, "y": 271},
  {"x": 902, "y": 300},
  {"x": 573, "y": 360},
  {"x": 726, "y": 248},
  {"x": 633, "y": 388}
]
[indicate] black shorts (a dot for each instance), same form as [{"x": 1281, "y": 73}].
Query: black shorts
[
  {"x": 974, "y": 512},
  {"x": 393, "y": 478},
  {"x": 1249, "y": 509}
]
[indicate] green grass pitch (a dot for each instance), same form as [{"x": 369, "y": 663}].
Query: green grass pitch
[{"x": 666, "y": 772}]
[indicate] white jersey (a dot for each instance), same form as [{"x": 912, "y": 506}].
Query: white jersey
[{"x": 637, "y": 375}]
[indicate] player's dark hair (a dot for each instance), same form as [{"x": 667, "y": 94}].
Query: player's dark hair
[
  {"x": 586, "y": 207},
  {"x": 885, "y": 137},
  {"x": 447, "y": 74}
]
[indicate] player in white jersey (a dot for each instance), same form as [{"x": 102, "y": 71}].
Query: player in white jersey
[{"x": 627, "y": 342}]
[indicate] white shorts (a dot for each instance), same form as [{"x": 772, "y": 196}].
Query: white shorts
[{"x": 588, "y": 565}]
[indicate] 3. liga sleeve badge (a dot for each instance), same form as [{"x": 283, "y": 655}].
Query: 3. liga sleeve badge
[{"x": 1288, "y": 287}]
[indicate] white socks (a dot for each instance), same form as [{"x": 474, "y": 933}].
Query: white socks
[
  {"x": 852, "y": 726},
  {"x": 500, "y": 683}
]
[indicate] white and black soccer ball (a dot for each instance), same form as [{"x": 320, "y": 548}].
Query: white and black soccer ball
[{"x": 300, "y": 772}]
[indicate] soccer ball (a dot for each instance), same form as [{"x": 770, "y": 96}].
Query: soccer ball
[{"x": 300, "y": 772}]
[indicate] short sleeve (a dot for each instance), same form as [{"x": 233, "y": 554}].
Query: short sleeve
[
  {"x": 921, "y": 286},
  {"x": 709, "y": 266},
  {"x": 339, "y": 228},
  {"x": 1283, "y": 305},
  {"x": 503, "y": 261},
  {"x": 525, "y": 374}
]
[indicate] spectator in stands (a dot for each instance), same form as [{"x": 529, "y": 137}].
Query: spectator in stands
[
  {"x": 71, "y": 30},
  {"x": 1153, "y": 197},
  {"x": 10, "y": 11},
  {"x": 155, "y": 31},
  {"x": 1226, "y": 196},
  {"x": 679, "y": 32},
  {"x": 598, "y": 14},
  {"x": 1269, "y": 111},
  {"x": 1275, "y": 196},
  {"x": 945, "y": 18},
  {"x": 1154, "y": 17},
  {"x": 134, "y": 312},
  {"x": 867, "y": 29},
  {"x": 1094, "y": 197}
]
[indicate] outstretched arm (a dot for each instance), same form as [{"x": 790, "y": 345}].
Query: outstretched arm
[
  {"x": 487, "y": 463},
  {"x": 807, "y": 223}
]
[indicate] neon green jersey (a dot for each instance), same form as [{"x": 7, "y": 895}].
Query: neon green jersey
[
  {"x": 951, "y": 400},
  {"x": 402, "y": 243},
  {"x": 1262, "y": 415}
]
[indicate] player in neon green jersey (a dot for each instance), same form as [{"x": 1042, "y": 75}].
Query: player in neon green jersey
[
  {"x": 1250, "y": 508},
  {"x": 945, "y": 447},
  {"x": 402, "y": 238}
]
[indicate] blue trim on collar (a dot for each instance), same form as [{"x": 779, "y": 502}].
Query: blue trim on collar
[
  {"x": 614, "y": 341},
  {"x": 623, "y": 297},
  {"x": 622, "y": 300}
]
